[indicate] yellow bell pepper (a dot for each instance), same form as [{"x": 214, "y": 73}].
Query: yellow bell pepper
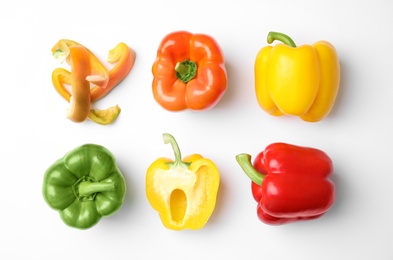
[
  {"x": 299, "y": 81},
  {"x": 183, "y": 192}
]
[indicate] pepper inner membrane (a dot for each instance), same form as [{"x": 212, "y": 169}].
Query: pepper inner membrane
[{"x": 178, "y": 205}]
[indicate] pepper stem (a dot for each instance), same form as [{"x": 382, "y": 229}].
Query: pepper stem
[
  {"x": 186, "y": 70},
  {"x": 272, "y": 36},
  {"x": 87, "y": 188},
  {"x": 244, "y": 160},
  {"x": 168, "y": 138}
]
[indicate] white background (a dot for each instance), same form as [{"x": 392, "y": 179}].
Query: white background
[{"x": 357, "y": 135}]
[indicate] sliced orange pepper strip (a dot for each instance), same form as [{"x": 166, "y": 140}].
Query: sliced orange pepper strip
[
  {"x": 99, "y": 74},
  {"x": 125, "y": 58},
  {"x": 61, "y": 76},
  {"x": 80, "y": 99},
  {"x": 122, "y": 54}
]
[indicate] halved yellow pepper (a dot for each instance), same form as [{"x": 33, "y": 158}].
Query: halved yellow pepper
[
  {"x": 183, "y": 192},
  {"x": 300, "y": 81}
]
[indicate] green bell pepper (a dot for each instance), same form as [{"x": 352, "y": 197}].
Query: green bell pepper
[{"x": 85, "y": 185}]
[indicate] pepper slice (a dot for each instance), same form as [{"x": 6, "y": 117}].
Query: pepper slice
[
  {"x": 80, "y": 100},
  {"x": 124, "y": 58},
  {"x": 121, "y": 54},
  {"x": 99, "y": 75},
  {"x": 189, "y": 72},
  {"x": 183, "y": 192},
  {"x": 84, "y": 186}
]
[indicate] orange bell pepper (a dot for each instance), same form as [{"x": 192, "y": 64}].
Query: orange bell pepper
[
  {"x": 103, "y": 81},
  {"x": 189, "y": 72}
]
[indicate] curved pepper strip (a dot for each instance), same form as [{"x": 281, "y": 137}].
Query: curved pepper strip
[
  {"x": 189, "y": 72},
  {"x": 99, "y": 74},
  {"x": 299, "y": 81},
  {"x": 124, "y": 57},
  {"x": 61, "y": 77},
  {"x": 80, "y": 100},
  {"x": 183, "y": 192},
  {"x": 290, "y": 183},
  {"x": 84, "y": 186}
]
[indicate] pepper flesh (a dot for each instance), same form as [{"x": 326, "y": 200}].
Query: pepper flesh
[
  {"x": 299, "y": 81},
  {"x": 189, "y": 72},
  {"x": 290, "y": 183},
  {"x": 183, "y": 192},
  {"x": 84, "y": 186}
]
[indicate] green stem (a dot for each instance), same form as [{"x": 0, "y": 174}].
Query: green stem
[
  {"x": 87, "y": 188},
  {"x": 186, "y": 70},
  {"x": 168, "y": 138},
  {"x": 272, "y": 36},
  {"x": 244, "y": 160}
]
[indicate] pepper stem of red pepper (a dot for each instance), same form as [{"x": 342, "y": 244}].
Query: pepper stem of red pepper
[
  {"x": 186, "y": 70},
  {"x": 272, "y": 36},
  {"x": 87, "y": 188},
  {"x": 178, "y": 160},
  {"x": 244, "y": 160}
]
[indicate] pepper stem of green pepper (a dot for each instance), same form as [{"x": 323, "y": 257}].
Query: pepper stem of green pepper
[
  {"x": 169, "y": 139},
  {"x": 272, "y": 36},
  {"x": 186, "y": 70},
  {"x": 87, "y": 188},
  {"x": 244, "y": 160}
]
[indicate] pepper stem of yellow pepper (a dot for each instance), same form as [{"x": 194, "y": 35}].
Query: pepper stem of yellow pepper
[
  {"x": 244, "y": 160},
  {"x": 272, "y": 36},
  {"x": 169, "y": 139},
  {"x": 186, "y": 70}
]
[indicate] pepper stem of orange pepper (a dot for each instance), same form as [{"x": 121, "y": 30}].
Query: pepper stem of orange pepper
[
  {"x": 169, "y": 139},
  {"x": 272, "y": 36},
  {"x": 244, "y": 160},
  {"x": 186, "y": 70}
]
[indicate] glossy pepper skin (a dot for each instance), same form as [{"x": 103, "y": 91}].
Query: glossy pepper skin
[
  {"x": 183, "y": 192},
  {"x": 84, "y": 186},
  {"x": 189, "y": 72},
  {"x": 298, "y": 81},
  {"x": 290, "y": 183}
]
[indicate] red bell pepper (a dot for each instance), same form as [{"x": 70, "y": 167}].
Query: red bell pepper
[{"x": 289, "y": 182}]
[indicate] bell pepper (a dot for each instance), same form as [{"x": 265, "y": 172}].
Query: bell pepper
[
  {"x": 189, "y": 72},
  {"x": 183, "y": 192},
  {"x": 103, "y": 81},
  {"x": 299, "y": 81},
  {"x": 290, "y": 183},
  {"x": 84, "y": 186}
]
